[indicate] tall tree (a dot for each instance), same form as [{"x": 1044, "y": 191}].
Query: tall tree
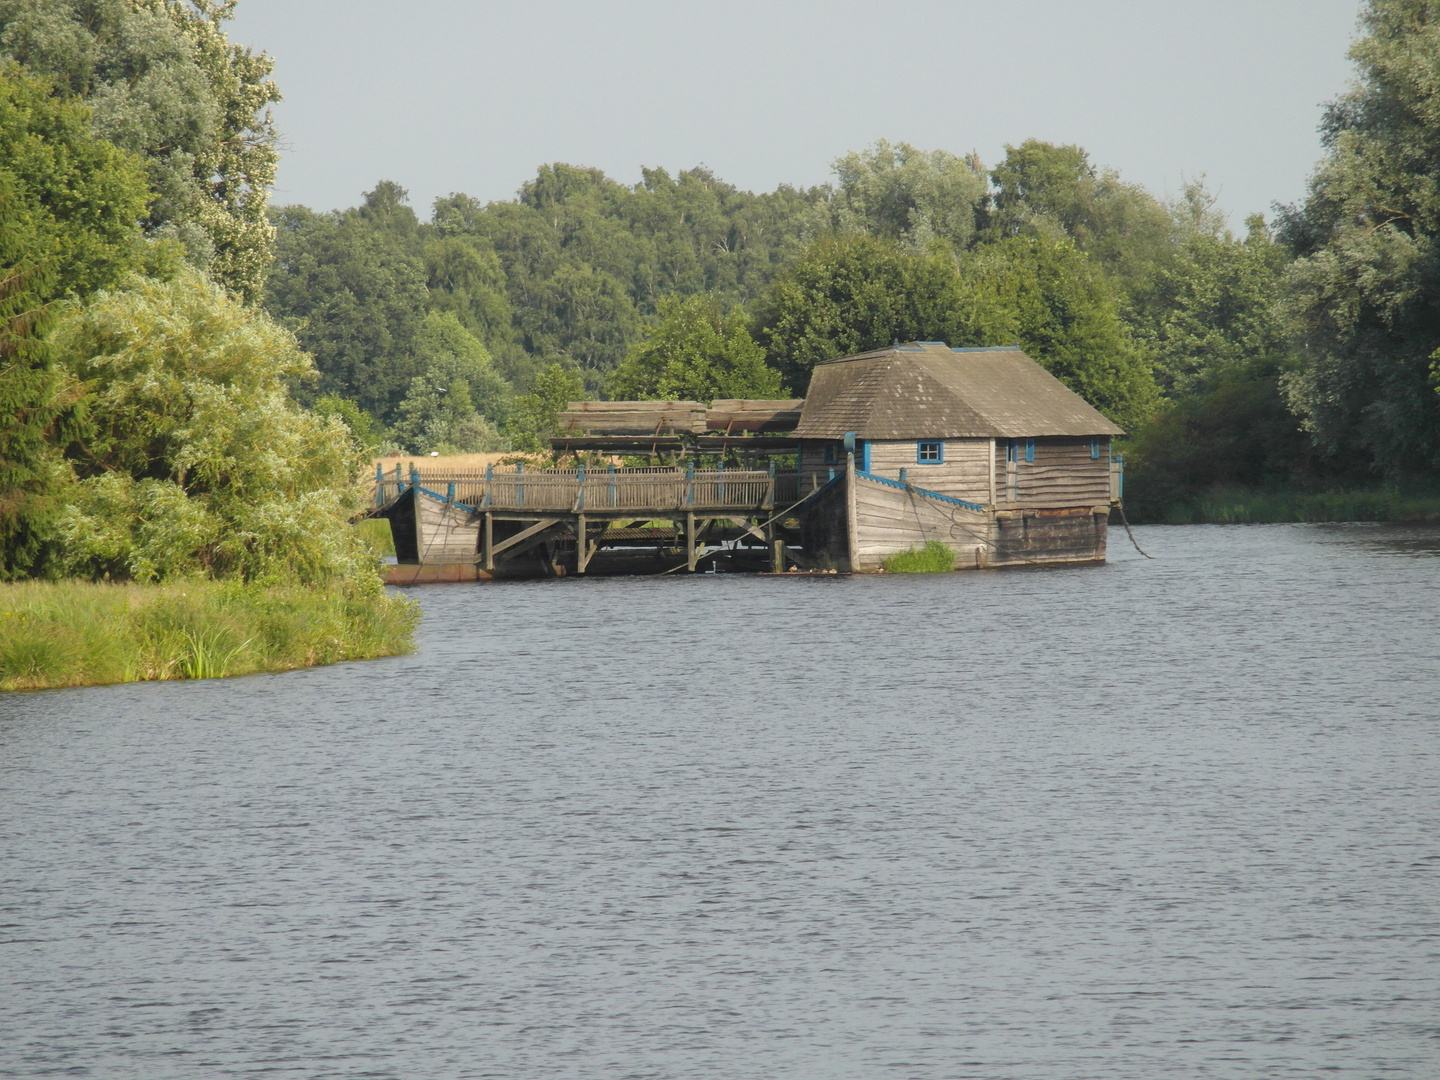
[
  {"x": 1364, "y": 293},
  {"x": 1042, "y": 292},
  {"x": 69, "y": 210},
  {"x": 458, "y": 401},
  {"x": 1213, "y": 304},
  {"x": 533, "y": 420},
  {"x": 914, "y": 197},
  {"x": 79, "y": 198},
  {"x": 166, "y": 84},
  {"x": 352, "y": 284},
  {"x": 695, "y": 350},
  {"x": 848, "y": 294},
  {"x": 1121, "y": 226}
]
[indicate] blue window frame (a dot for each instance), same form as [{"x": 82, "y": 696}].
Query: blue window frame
[
  {"x": 1094, "y": 449},
  {"x": 929, "y": 452},
  {"x": 830, "y": 455},
  {"x": 1030, "y": 450}
]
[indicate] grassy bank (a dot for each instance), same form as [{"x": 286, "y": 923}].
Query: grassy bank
[
  {"x": 78, "y": 633},
  {"x": 1250, "y": 507}
]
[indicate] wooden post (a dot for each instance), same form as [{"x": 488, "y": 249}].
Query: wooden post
[
  {"x": 379, "y": 484},
  {"x": 992, "y": 472},
  {"x": 581, "y": 549},
  {"x": 852, "y": 524},
  {"x": 690, "y": 548},
  {"x": 777, "y": 556},
  {"x": 489, "y": 540}
]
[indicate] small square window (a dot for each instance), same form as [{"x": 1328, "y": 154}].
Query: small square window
[
  {"x": 830, "y": 456},
  {"x": 929, "y": 452}
]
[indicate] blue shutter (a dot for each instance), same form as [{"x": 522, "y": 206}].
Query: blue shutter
[
  {"x": 1030, "y": 450},
  {"x": 1094, "y": 449}
]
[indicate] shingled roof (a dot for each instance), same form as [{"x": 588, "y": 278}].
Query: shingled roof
[{"x": 927, "y": 390}]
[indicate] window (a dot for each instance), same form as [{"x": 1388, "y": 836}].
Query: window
[
  {"x": 1030, "y": 450},
  {"x": 1094, "y": 449},
  {"x": 930, "y": 452},
  {"x": 830, "y": 456}
]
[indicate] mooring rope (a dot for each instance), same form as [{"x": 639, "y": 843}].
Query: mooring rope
[{"x": 1130, "y": 534}]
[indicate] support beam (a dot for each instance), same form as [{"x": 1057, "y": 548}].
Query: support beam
[
  {"x": 992, "y": 473},
  {"x": 777, "y": 556},
  {"x": 691, "y": 549},
  {"x": 488, "y": 541},
  {"x": 852, "y": 526},
  {"x": 751, "y": 529},
  {"x": 524, "y": 535},
  {"x": 585, "y": 548}
]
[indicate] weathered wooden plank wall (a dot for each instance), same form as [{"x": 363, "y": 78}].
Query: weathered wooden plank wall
[
  {"x": 447, "y": 533},
  {"x": 1063, "y": 475},
  {"x": 890, "y": 521},
  {"x": 824, "y": 530},
  {"x": 1058, "y": 536},
  {"x": 964, "y": 472}
]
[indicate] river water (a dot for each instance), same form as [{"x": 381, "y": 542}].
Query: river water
[{"x": 1170, "y": 818}]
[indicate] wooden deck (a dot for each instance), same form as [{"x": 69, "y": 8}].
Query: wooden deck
[{"x": 560, "y": 519}]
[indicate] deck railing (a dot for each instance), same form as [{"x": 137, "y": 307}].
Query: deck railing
[{"x": 644, "y": 491}]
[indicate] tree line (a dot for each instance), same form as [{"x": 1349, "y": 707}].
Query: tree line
[
  {"x": 1298, "y": 352},
  {"x": 182, "y": 364}
]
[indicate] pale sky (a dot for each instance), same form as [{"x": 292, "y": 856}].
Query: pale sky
[{"x": 457, "y": 95}]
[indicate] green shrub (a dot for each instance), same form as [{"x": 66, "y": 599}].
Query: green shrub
[{"x": 933, "y": 558}]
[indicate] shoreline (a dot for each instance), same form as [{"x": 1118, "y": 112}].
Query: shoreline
[
  {"x": 1240, "y": 507},
  {"x": 80, "y": 633}
]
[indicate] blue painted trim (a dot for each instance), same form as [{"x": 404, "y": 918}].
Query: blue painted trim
[
  {"x": 920, "y": 458},
  {"x": 985, "y": 348},
  {"x": 920, "y": 491},
  {"x": 865, "y": 455},
  {"x": 1030, "y": 451},
  {"x": 442, "y": 499},
  {"x": 816, "y": 493}
]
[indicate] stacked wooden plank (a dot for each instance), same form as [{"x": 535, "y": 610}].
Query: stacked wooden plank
[
  {"x": 632, "y": 418},
  {"x": 732, "y": 415}
]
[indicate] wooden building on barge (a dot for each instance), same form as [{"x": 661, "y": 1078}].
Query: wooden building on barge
[{"x": 980, "y": 449}]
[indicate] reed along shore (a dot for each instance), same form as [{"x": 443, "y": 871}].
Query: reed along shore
[{"x": 74, "y": 633}]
